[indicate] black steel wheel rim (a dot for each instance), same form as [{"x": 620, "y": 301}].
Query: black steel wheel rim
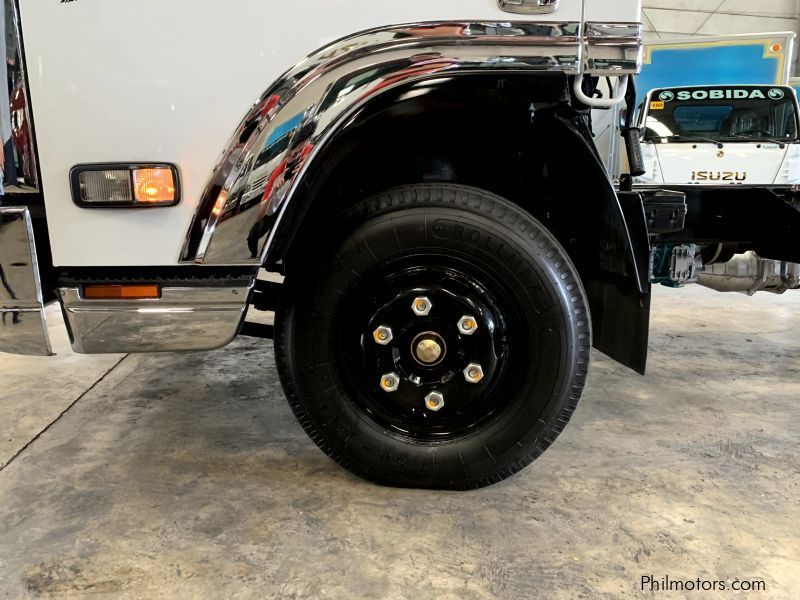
[{"x": 455, "y": 288}]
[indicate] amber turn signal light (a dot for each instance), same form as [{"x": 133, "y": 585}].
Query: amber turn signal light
[
  {"x": 122, "y": 292},
  {"x": 154, "y": 186}
]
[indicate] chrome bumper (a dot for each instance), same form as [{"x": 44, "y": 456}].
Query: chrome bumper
[
  {"x": 23, "y": 327},
  {"x": 190, "y": 317}
]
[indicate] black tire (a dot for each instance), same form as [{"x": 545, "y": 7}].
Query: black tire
[{"x": 434, "y": 238}]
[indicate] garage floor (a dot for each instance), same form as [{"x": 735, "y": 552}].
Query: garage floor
[{"x": 185, "y": 475}]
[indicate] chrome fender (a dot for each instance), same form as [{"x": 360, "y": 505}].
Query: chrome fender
[{"x": 266, "y": 160}]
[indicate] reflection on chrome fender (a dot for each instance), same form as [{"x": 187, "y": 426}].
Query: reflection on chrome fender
[
  {"x": 272, "y": 148},
  {"x": 23, "y": 326}
]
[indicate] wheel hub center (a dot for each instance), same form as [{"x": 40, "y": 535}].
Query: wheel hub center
[
  {"x": 429, "y": 348},
  {"x": 428, "y": 351}
]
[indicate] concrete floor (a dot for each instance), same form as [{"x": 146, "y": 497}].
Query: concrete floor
[{"x": 186, "y": 476}]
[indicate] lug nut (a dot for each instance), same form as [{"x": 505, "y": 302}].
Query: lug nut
[
  {"x": 467, "y": 325},
  {"x": 383, "y": 335},
  {"x": 473, "y": 373},
  {"x": 434, "y": 401},
  {"x": 422, "y": 306},
  {"x": 390, "y": 382}
]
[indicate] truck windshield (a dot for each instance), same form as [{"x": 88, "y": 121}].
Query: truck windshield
[{"x": 722, "y": 114}]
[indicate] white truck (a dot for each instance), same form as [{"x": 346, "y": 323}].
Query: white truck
[
  {"x": 702, "y": 140},
  {"x": 422, "y": 173},
  {"x": 721, "y": 135}
]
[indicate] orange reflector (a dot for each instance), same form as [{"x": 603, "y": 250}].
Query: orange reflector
[
  {"x": 153, "y": 186},
  {"x": 122, "y": 292},
  {"x": 776, "y": 48}
]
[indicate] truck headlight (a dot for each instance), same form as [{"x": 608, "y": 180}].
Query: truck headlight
[
  {"x": 789, "y": 173},
  {"x": 651, "y": 163}
]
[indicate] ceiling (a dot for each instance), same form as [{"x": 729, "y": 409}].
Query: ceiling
[{"x": 681, "y": 18}]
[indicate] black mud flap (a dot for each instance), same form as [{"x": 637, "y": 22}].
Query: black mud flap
[
  {"x": 608, "y": 240},
  {"x": 621, "y": 306},
  {"x": 611, "y": 305}
]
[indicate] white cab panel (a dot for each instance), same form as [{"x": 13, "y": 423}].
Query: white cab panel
[{"x": 169, "y": 81}]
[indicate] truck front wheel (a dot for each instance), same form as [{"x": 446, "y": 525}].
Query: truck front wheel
[{"x": 442, "y": 340}]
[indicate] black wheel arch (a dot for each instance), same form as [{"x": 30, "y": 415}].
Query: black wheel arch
[{"x": 516, "y": 135}]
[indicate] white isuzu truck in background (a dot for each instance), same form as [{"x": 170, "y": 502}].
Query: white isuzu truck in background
[
  {"x": 718, "y": 136},
  {"x": 731, "y": 91},
  {"x": 721, "y": 135},
  {"x": 423, "y": 174}
]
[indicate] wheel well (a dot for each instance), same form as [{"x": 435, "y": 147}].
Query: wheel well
[{"x": 514, "y": 135}]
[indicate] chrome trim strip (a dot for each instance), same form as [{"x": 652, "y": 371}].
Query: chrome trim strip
[
  {"x": 23, "y": 325},
  {"x": 529, "y": 7},
  {"x": 184, "y": 318},
  {"x": 299, "y": 115},
  {"x": 613, "y": 48}
]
